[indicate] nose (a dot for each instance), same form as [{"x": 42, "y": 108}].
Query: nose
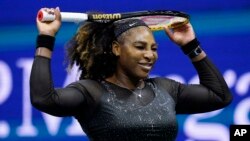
[{"x": 149, "y": 54}]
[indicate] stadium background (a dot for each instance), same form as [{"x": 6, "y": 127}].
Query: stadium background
[{"x": 222, "y": 26}]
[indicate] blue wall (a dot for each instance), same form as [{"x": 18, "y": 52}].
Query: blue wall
[{"x": 222, "y": 26}]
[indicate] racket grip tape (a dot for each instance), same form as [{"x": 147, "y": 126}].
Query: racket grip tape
[{"x": 45, "y": 16}]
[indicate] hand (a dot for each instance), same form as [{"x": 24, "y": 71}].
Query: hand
[
  {"x": 50, "y": 28},
  {"x": 181, "y": 35}
]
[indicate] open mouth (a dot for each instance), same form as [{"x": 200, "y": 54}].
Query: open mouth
[{"x": 146, "y": 66}]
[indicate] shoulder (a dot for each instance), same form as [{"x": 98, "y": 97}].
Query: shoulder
[
  {"x": 88, "y": 84},
  {"x": 168, "y": 84},
  {"x": 89, "y": 87},
  {"x": 162, "y": 80}
]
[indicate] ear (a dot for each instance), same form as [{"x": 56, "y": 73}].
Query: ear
[{"x": 116, "y": 49}]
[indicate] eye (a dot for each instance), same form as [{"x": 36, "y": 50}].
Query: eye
[
  {"x": 140, "y": 47},
  {"x": 154, "y": 48}
]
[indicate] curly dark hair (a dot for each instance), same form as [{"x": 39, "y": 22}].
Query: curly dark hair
[{"x": 91, "y": 50}]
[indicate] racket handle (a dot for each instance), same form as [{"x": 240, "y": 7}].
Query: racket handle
[{"x": 44, "y": 16}]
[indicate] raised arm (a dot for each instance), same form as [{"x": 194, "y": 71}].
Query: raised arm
[
  {"x": 212, "y": 93},
  {"x": 58, "y": 102}
]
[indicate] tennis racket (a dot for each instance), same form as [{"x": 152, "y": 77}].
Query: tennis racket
[{"x": 156, "y": 20}]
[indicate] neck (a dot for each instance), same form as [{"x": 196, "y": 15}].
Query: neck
[{"x": 126, "y": 82}]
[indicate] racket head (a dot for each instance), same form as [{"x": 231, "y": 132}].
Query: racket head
[{"x": 156, "y": 20}]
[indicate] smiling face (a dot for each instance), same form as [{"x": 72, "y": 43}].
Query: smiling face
[{"x": 137, "y": 52}]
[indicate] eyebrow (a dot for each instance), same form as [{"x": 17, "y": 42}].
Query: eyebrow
[{"x": 145, "y": 43}]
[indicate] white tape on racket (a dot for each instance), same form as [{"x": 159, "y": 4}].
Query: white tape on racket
[{"x": 45, "y": 16}]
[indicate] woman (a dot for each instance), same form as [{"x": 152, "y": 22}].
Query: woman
[{"x": 114, "y": 98}]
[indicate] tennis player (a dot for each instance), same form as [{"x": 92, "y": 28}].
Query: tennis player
[{"x": 114, "y": 99}]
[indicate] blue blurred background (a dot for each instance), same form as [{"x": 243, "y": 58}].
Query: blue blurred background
[{"x": 222, "y": 26}]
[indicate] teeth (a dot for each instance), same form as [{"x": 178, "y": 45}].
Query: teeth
[{"x": 146, "y": 66}]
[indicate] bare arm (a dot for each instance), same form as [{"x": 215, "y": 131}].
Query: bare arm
[
  {"x": 50, "y": 29},
  {"x": 182, "y": 36}
]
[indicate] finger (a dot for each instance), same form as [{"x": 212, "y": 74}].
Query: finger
[
  {"x": 44, "y": 9},
  {"x": 169, "y": 32},
  {"x": 57, "y": 13},
  {"x": 58, "y": 9}
]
